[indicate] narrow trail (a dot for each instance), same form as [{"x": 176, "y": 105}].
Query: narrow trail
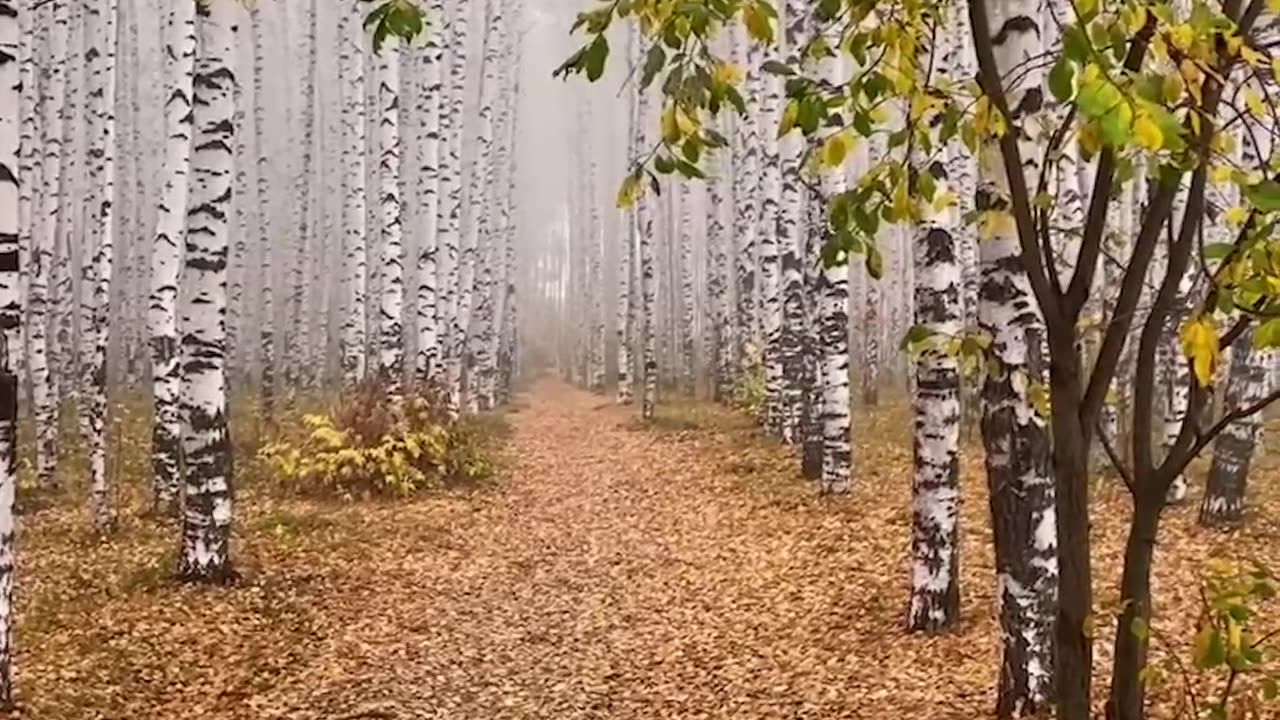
[{"x": 626, "y": 573}]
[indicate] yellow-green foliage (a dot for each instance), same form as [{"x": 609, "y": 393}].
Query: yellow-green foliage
[{"x": 365, "y": 446}]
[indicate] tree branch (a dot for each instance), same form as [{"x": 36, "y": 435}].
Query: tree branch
[
  {"x": 1114, "y": 457},
  {"x": 1096, "y": 222}
]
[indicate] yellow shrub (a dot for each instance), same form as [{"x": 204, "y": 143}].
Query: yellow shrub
[{"x": 363, "y": 447}]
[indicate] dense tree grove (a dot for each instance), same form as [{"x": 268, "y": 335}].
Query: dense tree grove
[{"x": 1053, "y": 223}]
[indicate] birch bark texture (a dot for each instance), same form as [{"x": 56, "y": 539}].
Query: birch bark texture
[
  {"x": 1015, "y": 436},
  {"x": 11, "y": 39},
  {"x": 205, "y": 553}
]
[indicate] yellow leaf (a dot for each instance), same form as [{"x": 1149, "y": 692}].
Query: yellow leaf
[
  {"x": 943, "y": 200},
  {"x": 628, "y": 192},
  {"x": 1234, "y": 45},
  {"x": 1220, "y": 174},
  {"x": 1090, "y": 139},
  {"x": 1254, "y": 103},
  {"x": 834, "y": 151},
  {"x": 981, "y": 114},
  {"x": 1135, "y": 18},
  {"x": 1193, "y": 77},
  {"x": 790, "y": 115},
  {"x": 901, "y": 201},
  {"x": 1200, "y": 344},
  {"x": 1275, "y": 68},
  {"x": 1173, "y": 87},
  {"x": 686, "y": 124},
  {"x": 1236, "y": 215},
  {"x": 1223, "y": 143},
  {"x": 1182, "y": 36},
  {"x": 1038, "y": 394},
  {"x": 670, "y": 131},
  {"x": 995, "y": 222},
  {"x": 728, "y": 73},
  {"x": 1147, "y": 133},
  {"x": 1200, "y": 648},
  {"x": 1251, "y": 56}
]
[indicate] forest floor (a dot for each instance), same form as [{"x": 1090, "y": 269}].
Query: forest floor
[{"x": 610, "y": 570}]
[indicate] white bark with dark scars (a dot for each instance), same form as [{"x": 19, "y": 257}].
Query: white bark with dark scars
[{"x": 205, "y": 553}]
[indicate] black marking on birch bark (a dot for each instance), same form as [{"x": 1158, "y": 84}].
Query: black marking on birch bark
[
  {"x": 1015, "y": 24},
  {"x": 1031, "y": 102},
  {"x": 986, "y": 199}
]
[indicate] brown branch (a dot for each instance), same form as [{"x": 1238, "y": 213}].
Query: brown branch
[
  {"x": 1114, "y": 457},
  {"x": 1153, "y": 329},
  {"x": 1117, "y": 332},
  {"x": 1096, "y": 221}
]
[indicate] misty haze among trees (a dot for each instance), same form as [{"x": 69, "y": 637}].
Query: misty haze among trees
[{"x": 639, "y": 358}]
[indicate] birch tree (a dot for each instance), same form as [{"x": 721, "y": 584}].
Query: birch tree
[
  {"x": 355, "y": 362},
  {"x": 104, "y": 107},
  {"x": 391, "y": 342},
  {"x": 1224, "y": 495},
  {"x": 166, "y": 254},
  {"x": 11, "y": 38},
  {"x": 44, "y": 379},
  {"x": 433, "y": 103},
  {"x": 205, "y": 554}
]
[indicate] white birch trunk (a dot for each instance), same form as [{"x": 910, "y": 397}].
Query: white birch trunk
[
  {"x": 104, "y": 101},
  {"x": 11, "y": 38},
  {"x": 391, "y": 341},
  {"x": 205, "y": 555},
  {"x": 1015, "y": 436},
  {"x": 451, "y": 207},
  {"x": 428, "y": 345},
  {"x": 355, "y": 361}
]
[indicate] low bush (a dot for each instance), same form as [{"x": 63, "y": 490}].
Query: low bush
[{"x": 368, "y": 445}]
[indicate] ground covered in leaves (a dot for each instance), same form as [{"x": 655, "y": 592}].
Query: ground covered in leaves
[{"x": 608, "y": 571}]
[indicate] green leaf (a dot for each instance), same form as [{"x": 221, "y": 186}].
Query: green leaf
[
  {"x": 828, "y": 9},
  {"x": 1139, "y": 628},
  {"x": 654, "y": 61},
  {"x": 1265, "y": 196},
  {"x": 735, "y": 99},
  {"x": 689, "y": 170},
  {"x": 916, "y": 334},
  {"x": 692, "y": 150},
  {"x": 774, "y": 67},
  {"x": 875, "y": 263},
  {"x": 1075, "y": 43},
  {"x": 926, "y": 185},
  {"x": 1267, "y": 335},
  {"x": 1062, "y": 79},
  {"x": 664, "y": 164},
  {"x": 1209, "y": 651},
  {"x": 597, "y": 54}
]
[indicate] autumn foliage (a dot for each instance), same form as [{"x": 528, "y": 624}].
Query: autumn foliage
[{"x": 367, "y": 445}]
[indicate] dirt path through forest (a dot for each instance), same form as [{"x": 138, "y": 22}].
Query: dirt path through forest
[
  {"x": 625, "y": 573},
  {"x": 609, "y": 571}
]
